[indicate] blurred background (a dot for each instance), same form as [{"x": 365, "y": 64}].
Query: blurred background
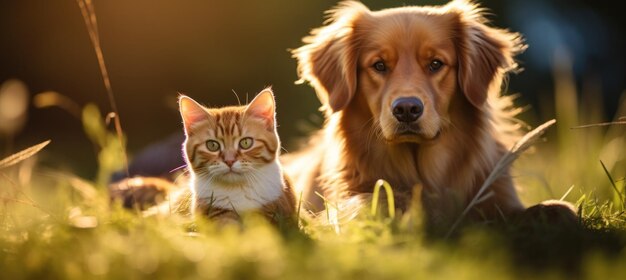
[{"x": 156, "y": 49}]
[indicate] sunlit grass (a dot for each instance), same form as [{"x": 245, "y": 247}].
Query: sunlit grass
[
  {"x": 63, "y": 234},
  {"x": 55, "y": 225},
  {"x": 589, "y": 163}
]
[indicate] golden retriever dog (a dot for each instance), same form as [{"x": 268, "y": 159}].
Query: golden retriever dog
[{"x": 411, "y": 95}]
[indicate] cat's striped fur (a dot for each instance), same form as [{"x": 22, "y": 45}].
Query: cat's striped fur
[{"x": 232, "y": 158}]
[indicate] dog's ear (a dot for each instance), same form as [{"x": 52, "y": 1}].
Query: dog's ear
[
  {"x": 484, "y": 53},
  {"x": 328, "y": 60}
]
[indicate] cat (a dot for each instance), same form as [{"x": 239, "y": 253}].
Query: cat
[{"x": 232, "y": 159}]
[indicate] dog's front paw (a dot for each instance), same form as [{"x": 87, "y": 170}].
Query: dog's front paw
[{"x": 551, "y": 212}]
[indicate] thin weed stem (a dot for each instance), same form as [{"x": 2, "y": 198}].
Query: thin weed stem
[
  {"x": 89, "y": 15},
  {"x": 299, "y": 208},
  {"x": 390, "y": 200},
  {"x": 620, "y": 122},
  {"x": 608, "y": 174},
  {"x": 520, "y": 146}
]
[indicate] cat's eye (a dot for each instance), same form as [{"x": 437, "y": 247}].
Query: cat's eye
[
  {"x": 246, "y": 143},
  {"x": 213, "y": 145},
  {"x": 435, "y": 65}
]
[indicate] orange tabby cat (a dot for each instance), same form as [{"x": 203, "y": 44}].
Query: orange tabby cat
[{"x": 232, "y": 158}]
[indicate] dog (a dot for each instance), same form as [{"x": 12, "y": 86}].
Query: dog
[{"x": 411, "y": 95}]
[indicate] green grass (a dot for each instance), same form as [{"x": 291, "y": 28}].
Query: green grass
[
  {"x": 69, "y": 235},
  {"x": 55, "y": 225}
]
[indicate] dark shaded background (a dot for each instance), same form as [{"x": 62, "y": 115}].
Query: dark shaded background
[{"x": 208, "y": 49}]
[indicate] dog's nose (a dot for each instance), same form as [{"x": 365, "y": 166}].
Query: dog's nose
[{"x": 407, "y": 109}]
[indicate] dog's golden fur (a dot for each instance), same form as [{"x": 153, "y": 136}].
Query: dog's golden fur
[{"x": 464, "y": 128}]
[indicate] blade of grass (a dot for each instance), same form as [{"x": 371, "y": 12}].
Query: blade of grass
[
  {"x": 566, "y": 193},
  {"x": 375, "y": 198},
  {"x": 299, "y": 207},
  {"x": 600, "y": 124},
  {"x": 390, "y": 200},
  {"x": 580, "y": 213},
  {"x": 22, "y": 155},
  {"x": 332, "y": 215},
  {"x": 580, "y": 201},
  {"x": 520, "y": 146},
  {"x": 608, "y": 174},
  {"x": 325, "y": 205},
  {"x": 89, "y": 15}
]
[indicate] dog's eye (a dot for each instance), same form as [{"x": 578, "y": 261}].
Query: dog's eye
[
  {"x": 435, "y": 65},
  {"x": 380, "y": 66}
]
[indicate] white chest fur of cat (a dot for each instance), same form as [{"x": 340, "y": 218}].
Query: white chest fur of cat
[{"x": 260, "y": 188}]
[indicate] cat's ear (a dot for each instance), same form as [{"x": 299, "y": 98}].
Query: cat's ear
[
  {"x": 191, "y": 111},
  {"x": 263, "y": 106}
]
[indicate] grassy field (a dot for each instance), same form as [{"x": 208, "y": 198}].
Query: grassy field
[{"x": 56, "y": 225}]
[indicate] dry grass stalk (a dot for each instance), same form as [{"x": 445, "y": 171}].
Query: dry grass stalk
[
  {"x": 22, "y": 155},
  {"x": 89, "y": 15},
  {"x": 520, "y": 146},
  {"x": 621, "y": 121}
]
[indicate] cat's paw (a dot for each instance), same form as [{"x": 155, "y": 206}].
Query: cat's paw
[{"x": 140, "y": 192}]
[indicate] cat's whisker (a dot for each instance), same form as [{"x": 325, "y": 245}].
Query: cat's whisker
[
  {"x": 238, "y": 101},
  {"x": 178, "y": 168}
]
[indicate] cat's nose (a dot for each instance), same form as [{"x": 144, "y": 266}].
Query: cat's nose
[{"x": 229, "y": 158}]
